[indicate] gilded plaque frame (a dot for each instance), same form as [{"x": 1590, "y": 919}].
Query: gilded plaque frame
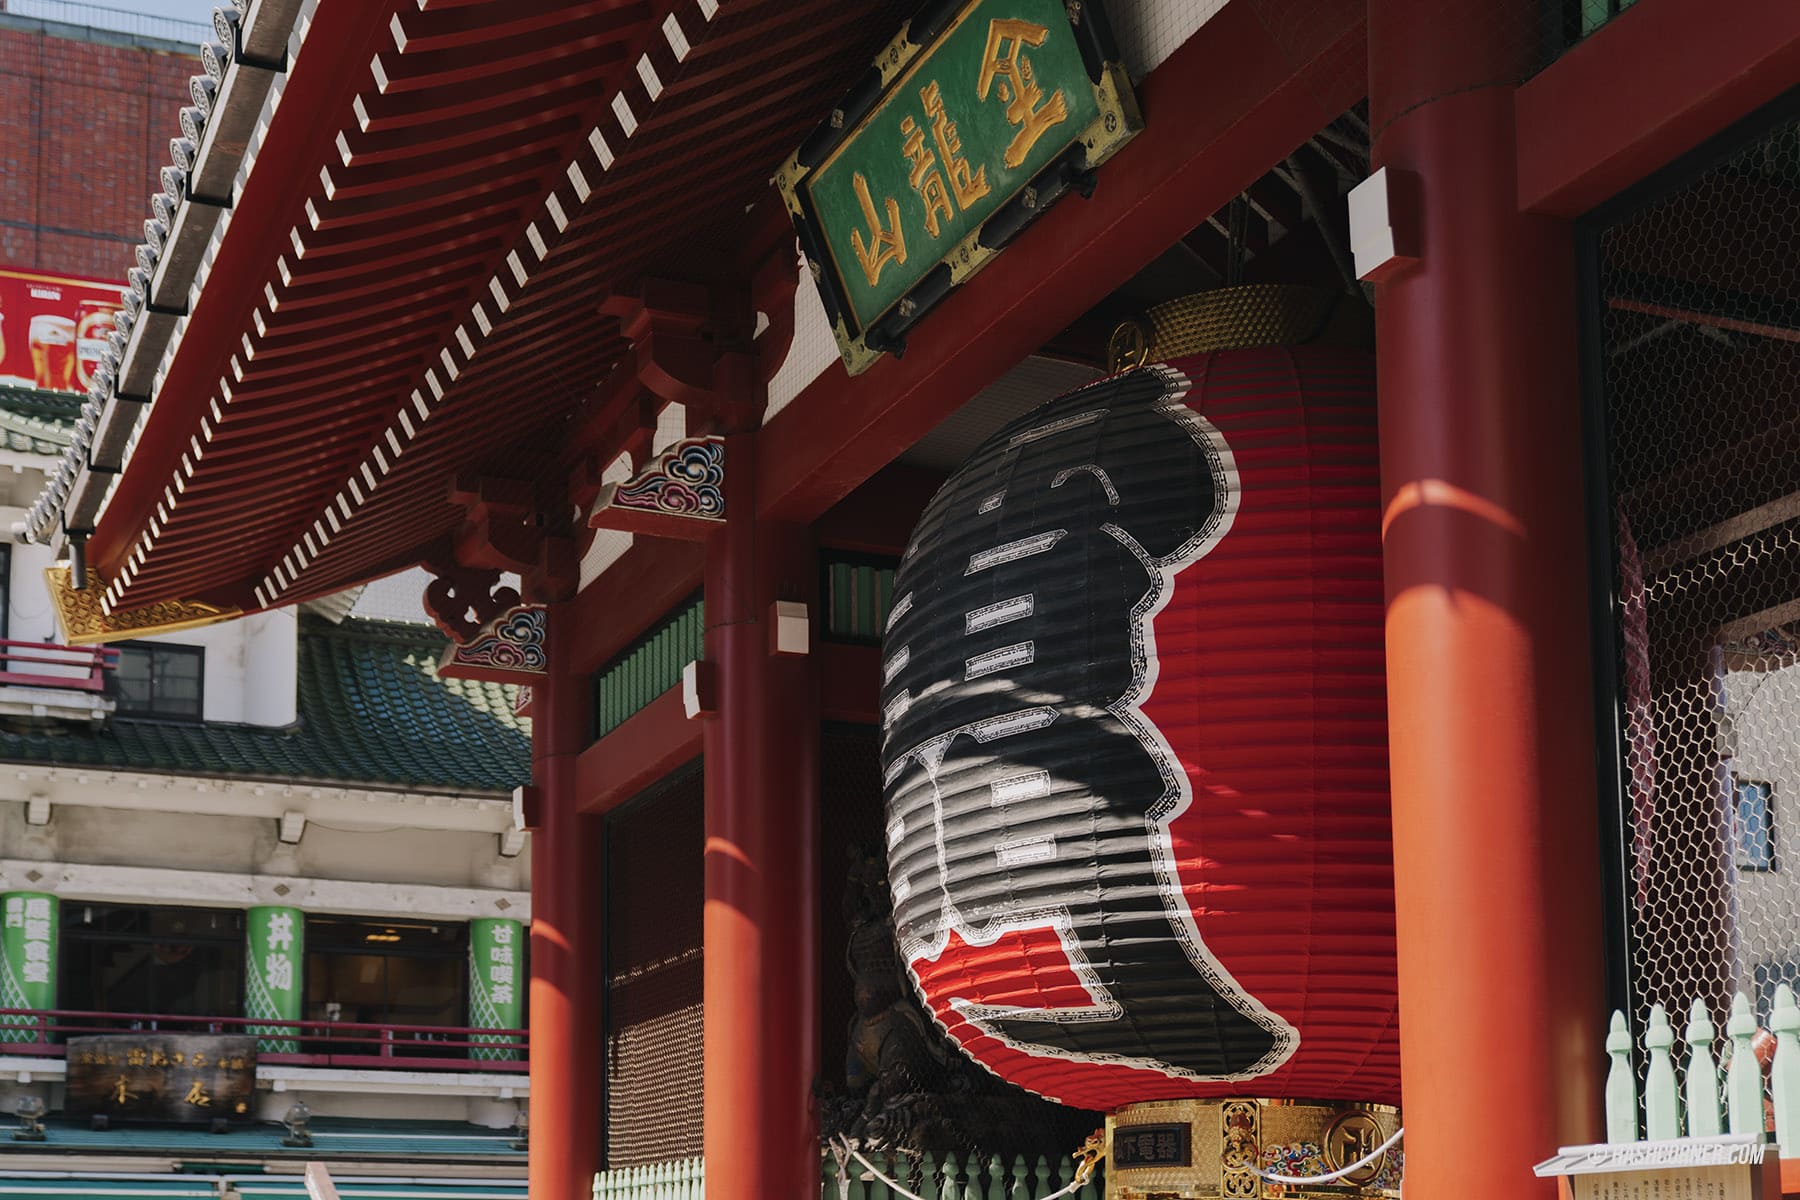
[{"x": 1119, "y": 119}]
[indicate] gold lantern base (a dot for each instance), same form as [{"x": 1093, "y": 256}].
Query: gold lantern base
[
  {"x": 1233, "y": 318},
  {"x": 1190, "y": 1149}
]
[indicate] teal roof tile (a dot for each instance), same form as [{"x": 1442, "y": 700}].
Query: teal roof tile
[
  {"x": 37, "y": 422},
  {"x": 372, "y": 710}
]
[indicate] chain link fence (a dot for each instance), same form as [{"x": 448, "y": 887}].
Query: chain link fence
[{"x": 1696, "y": 358}]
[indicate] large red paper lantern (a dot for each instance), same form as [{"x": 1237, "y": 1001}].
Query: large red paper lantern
[{"x": 1135, "y": 740}]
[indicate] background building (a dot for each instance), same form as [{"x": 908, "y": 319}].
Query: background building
[{"x": 289, "y": 826}]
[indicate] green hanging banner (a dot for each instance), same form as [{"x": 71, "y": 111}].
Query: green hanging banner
[
  {"x": 496, "y": 982},
  {"x": 27, "y": 960},
  {"x": 274, "y": 989}
]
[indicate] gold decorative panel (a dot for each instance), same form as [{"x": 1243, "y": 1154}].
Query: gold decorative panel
[
  {"x": 83, "y": 622},
  {"x": 1222, "y": 1149}
]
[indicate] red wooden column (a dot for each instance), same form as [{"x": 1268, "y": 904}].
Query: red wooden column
[
  {"x": 1489, "y": 676},
  {"x": 762, "y": 771},
  {"x": 567, "y": 928}
]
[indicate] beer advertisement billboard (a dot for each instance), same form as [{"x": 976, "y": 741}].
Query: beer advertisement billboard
[{"x": 53, "y": 328}]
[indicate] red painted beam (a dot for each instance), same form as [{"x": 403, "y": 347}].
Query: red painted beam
[
  {"x": 878, "y": 517},
  {"x": 652, "y": 742},
  {"x": 1223, "y": 108},
  {"x": 659, "y": 737},
  {"x": 1657, "y": 81},
  {"x": 1497, "y": 905},
  {"x": 850, "y": 683},
  {"x": 568, "y": 924},
  {"x": 648, "y": 580},
  {"x": 1695, "y": 316}
]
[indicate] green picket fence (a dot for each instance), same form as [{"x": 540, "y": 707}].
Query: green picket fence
[
  {"x": 1701, "y": 1099},
  {"x": 683, "y": 1179},
  {"x": 975, "y": 1177}
]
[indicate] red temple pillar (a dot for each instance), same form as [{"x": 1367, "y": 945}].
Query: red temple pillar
[
  {"x": 567, "y": 930},
  {"x": 762, "y": 770},
  {"x": 1489, "y": 676}
]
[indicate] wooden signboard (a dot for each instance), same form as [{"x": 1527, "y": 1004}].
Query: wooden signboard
[
  {"x": 1152, "y": 1146},
  {"x": 1730, "y": 1167},
  {"x": 174, "y": 1078},
  {"x": 971, "y": 123}
]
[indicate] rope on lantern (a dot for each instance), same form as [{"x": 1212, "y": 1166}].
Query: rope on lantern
[
  {"x": 843, "y": 1150},
  {"x": 1297, "y": 1180}
]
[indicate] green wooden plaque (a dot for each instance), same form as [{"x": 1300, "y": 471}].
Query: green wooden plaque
[{"x": 977, "y": 117}]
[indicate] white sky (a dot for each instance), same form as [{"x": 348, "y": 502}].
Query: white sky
[
  {"x": 191, "y": 10},
  {"x": 115, "y": 14},
  {"x": 186, "y": 10}
]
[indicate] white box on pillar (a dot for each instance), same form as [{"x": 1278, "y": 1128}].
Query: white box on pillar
[
  {"x": 790, "y": 630},
  {"x": 1383, "y": 224}
]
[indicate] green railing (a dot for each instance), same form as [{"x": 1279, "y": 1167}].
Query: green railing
[
  {"x": 649, "y": 667},
  {"x": 1706, "y": 1101},
  {"x": 858, "y": 593},
  {"x": 978, "y": 1177}
]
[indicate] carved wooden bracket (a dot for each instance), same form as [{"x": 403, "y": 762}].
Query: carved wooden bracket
[
  {"x": 507, "y": 649},
  {"x": 690, "y": 345},
  {"x": 464, "y": 600},
  {"x": 506, "y": 528},
  {"x": 679, "y": 494}
]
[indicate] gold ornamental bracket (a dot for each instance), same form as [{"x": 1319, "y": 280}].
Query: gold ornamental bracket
[{"x": 84, "y": 622}]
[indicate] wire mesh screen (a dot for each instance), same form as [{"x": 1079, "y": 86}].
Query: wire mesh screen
[
  {"x": 890, "y": 1077},
  {"x": 654, "y": 978},
  {"x": 1698, "y": 303}
]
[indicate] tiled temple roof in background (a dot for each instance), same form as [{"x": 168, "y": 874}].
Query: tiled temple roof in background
[
  {"x": 372, "y": 710},
  {"x": 35, "y": 422}
]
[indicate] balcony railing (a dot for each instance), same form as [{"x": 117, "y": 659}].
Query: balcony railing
[
  {"x": 39, "y": 1033},
  {"x": 70, "y": 668}
]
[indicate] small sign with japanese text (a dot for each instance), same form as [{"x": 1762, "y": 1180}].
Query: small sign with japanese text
[
  {"x": 273, "y": 988},
  {"x": 1729, "y": 1167},
  {"x": 1151, "y": 1146},
  {"x": 28, "y": 938},
  {"x": 987, "y": 112},
  {"x": 497, "y": 982},
  {"x": 181, "y": 1078}
]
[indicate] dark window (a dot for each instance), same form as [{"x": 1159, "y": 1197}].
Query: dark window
[
  {"x": 858, "y": 591},
  {"x": 154, "y": 680},
  {"x": 389, "y": 973},
  {"x": 1755, "y": 825},
  {"x": 129, "y": 959}
]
